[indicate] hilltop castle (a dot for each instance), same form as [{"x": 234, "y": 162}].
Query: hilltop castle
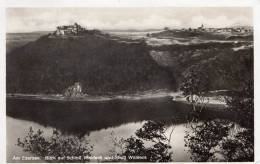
[{"x": 69, "y": 30}]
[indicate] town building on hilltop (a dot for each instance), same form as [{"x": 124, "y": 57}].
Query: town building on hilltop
[
  {"x": 75, "y": 29},
  {"x": 201, "y": 28}
]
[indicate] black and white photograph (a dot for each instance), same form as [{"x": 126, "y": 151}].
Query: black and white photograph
[{"x": 129, "y": 84}]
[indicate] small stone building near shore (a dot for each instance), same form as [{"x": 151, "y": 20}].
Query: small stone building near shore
[{"x": 74, "y": 90}]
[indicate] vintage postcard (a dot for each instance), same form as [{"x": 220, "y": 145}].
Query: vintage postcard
[{"x": 129, "y": 84}]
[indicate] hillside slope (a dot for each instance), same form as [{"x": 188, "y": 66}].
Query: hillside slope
[
  {"x": 219, "y": 61},
  {"x": 50, "y": 65}
]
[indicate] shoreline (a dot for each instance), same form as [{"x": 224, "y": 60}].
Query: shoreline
[
  {"x": 60, "y": 97},
  {"x": 211, "y": 101}
]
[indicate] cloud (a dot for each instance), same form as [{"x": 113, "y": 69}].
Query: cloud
[
  {"x": 46, "y": 19},
  {"x": 153, "y": 21},
  {"x": 45, "y": 24},
  {"x": 220, "y": 21}
]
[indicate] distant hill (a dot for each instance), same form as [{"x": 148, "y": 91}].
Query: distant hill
[
  {"x": 15, "y": 40},
  {"x": 238, "y": 25},
  {"x": 188, "y": 34},
  {"x": 51, "y": 64},
  {"x": 133, "y": 30},
  {"x": 202, "y": 35}
]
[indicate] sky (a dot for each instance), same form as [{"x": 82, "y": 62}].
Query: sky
[{"x": 47, "y": 19}]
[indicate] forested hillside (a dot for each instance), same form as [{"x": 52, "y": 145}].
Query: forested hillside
[{"x": 51, "y": 64}]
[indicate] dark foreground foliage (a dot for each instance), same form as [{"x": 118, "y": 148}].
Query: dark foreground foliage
[
  {"x": 216, "y": 140},
  {"x": 204, "y": 138},
  {"x": 149, "y": 145},
  {"x": 219, "y": 140},
  {"x": 242, "y": 103},
  {"x": 240, "y": 148},
  {"x": 55, "y": 146},
  {"x": 153, "y": 132}
]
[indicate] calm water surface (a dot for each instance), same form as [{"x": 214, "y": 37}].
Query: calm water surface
[
  {"x": 101, "y": 139},
  {"x": 97, "y": 120}
]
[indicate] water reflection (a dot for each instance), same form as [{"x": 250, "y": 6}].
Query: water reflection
[
  {"x": 216, "y": 140},
  {"x": 100, "y": 139},
  {"x": 83, "y": 117},
  {"x": 96, "y": 120}
]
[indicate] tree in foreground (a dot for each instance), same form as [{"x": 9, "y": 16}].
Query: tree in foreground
[
  {"x": 55, "y": 146},
  {"x": 219, "y": 140},
  {"x": 242, "y": 103},
  {"x": 150, "y": 144},
  {"x": 194, "y": 87},
  {"x": 204, "y": 138}
]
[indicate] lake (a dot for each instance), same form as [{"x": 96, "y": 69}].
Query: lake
[{"x": 96, "y": 121}]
